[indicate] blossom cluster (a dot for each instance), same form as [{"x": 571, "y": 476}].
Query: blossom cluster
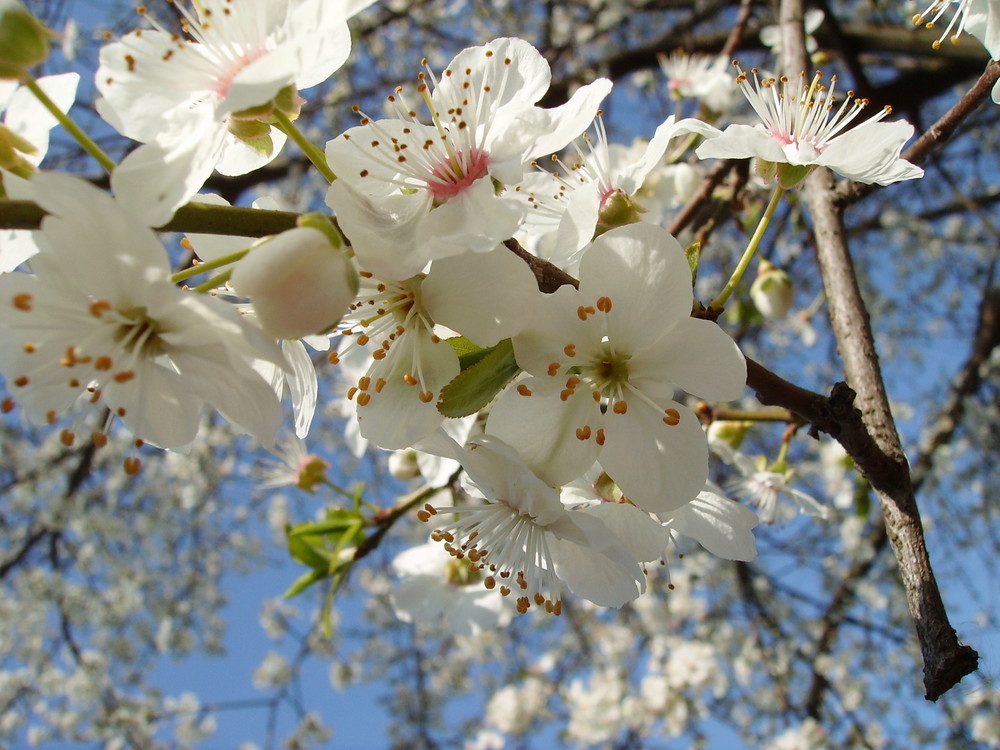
[{"x": 568, "y": 409}]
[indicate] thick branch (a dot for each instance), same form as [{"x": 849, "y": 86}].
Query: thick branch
[
  {"x": 198, "y": 218},
  {"x": 946, "y": 661}
]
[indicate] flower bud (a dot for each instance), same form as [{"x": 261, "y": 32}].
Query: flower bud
[
  {"x": 772, "y": 291},
  {"x": 298, "y": 282},
  {"x": 728, "y": 432},
  {"x": 403, "y": 465},
  {"x": 24, "y": 40}
]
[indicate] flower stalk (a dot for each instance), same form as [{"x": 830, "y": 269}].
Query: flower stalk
[
  {"x": 85, "y": 141},
  {"x": 284, "y": 123},
  {"x": 719, "y": 302}
]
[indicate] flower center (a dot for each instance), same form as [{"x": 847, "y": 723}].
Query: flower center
[
  {"x": 607, "y": 371},
  {"x": 455, "y": 173},
  {"x": 138, "y": 334}
]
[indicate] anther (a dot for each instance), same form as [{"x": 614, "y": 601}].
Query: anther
[
  {"x": 620, "y": 407},
  {"x": 22, "y": 301},
  {"x": 524, "y": 390},
  {"x": 672, "y": 417}
]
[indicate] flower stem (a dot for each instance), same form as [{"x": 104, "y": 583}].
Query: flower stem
[
  {"x": 208, "y": 265},
  {"x": 312, "y": 152},
  {"x": 71, "y": 127},
  {"x": 719, "y": 302},
  {"x": 214, "y": 282}
]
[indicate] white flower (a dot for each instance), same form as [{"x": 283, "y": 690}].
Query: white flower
[
  {"x": 604, "y": 362},
  {"x": 762, "y": 487},
  {"x": 980, "y": 18},
  {"x": 435, "y": 585},
  {"x": 100, "y": 318},
  {"x": 596, "y": 193},
  {"x": 702, "y": 77},
  {"x": 797, "y": 129},
  {"x": 486, "y": 297},
  {"x": 408, "y": 193},
  {"x": 530, "y": 544},
  {"x": 191, "y": 98},
  {"x": 296, "y": 467}
]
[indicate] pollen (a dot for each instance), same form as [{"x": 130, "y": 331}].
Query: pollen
[{"x": 22, "y": 301}]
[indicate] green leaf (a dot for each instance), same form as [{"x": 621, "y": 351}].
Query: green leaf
[
  {"x": 337, "y": 519},
  {"x": 303, "y": 582},
  {"x": 468, "y": 353},
  {"x": 693, "y": 253},
  {"x": 476, "y": 385},
  {"x": 307, "y": 553}
]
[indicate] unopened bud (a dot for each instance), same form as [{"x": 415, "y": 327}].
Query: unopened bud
[
  {"x": 728, "y": 432},
  {"x": 403, "y": 465},
  {"x": 772, "y": 291},
  {"x": 298, "y": 283},
  {"x": 24, "y": 40}
]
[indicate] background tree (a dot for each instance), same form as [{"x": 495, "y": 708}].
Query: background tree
[{"x": 815, "y": 642}]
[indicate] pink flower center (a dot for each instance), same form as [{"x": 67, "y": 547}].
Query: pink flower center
[
  {"x": 454, "y": 175},
  {"x": 234, "y": 68}
]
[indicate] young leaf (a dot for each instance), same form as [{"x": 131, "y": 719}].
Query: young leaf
[{"x": 477, "y": 384}]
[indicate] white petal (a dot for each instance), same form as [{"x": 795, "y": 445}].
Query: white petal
[
  {"x": 644, "y": 537},
  {"x": 543, "y": 429},
  {"x": 741, "y": 142},
  {"x": 565, "y": 122},
  {"x": 484, "y": 296},
  {"x": 303, "y": 385},
  {"x": 602, "y": 570},
  {"x": 721, "y": 526},
  {"x": 659, "y": 467},
  {"x": 642, "y": 269},
  {"x": 695, "y": 355}
]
